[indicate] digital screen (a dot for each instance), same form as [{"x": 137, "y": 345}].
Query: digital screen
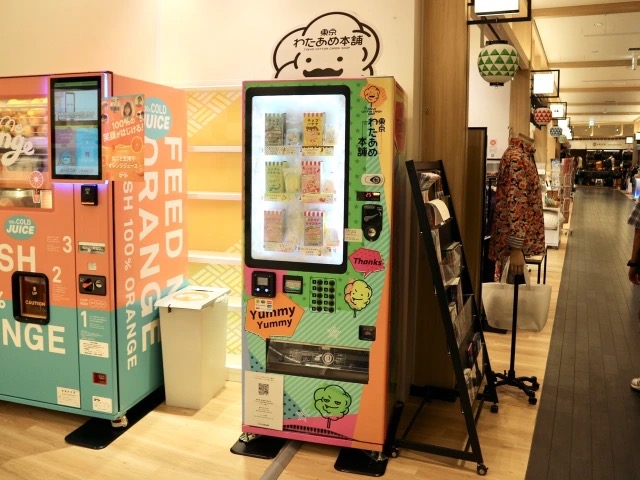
[
  {"x": 76, "y": 128},
  {"x": 292, "y": 284},
  {"x": 297, "y": 170}
]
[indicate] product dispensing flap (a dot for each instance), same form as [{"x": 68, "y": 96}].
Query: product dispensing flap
[{"x": 30, "y": 292}]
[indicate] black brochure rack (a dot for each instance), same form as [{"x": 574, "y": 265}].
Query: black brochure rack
[{"x": 458, "y": 308}]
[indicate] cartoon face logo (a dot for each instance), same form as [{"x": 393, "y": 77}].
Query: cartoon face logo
[
  {"x": 357, "y": 294},
  {"x": 331, "y": 45},
  {"x": 332, "y": 402},
  {"x": 372, "y": 94}
]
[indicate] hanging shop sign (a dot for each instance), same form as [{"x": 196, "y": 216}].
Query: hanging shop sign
[{"x": 335, "y": 44}]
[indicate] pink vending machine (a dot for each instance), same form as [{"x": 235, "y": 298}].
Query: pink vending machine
[
  {"x": 92, "y": 197},
  {"x": 319, "y": 163}
]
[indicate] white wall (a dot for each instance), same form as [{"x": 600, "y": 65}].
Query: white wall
[
  {"x": 228, "y": 42},
  {"x": 189, "y": 42},
  {"x": 64, "y": 36},
  {"x": 488, "y": 106},
  {"x": 204, "y": 42}
]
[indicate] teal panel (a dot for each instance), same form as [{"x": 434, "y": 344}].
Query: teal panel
[
  {"x": 40, "y": 362},
  {"x": 97, "y": 358},
  {"x": 139, "y": 350}
]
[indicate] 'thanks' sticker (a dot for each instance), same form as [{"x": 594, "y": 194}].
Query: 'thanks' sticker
[{"x": 366, "y": 261}]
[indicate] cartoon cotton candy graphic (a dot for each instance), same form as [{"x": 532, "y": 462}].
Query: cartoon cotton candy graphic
[
  {"x": 332, "y": 402},
  {"x": 357, "y": 294}
]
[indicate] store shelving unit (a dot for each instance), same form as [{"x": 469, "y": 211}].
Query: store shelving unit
[
  {"x": 208, "y": 256},
  {"x": 466, "y": 346}
]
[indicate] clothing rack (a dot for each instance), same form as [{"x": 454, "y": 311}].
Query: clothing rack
[{"x": 509, "y": 378}]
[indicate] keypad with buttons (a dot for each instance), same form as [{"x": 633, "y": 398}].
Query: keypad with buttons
[{"x": 323, "y": 295}]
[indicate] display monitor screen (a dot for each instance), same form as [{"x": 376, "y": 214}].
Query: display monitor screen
[
  {"x": 296, "y": 172},
  {"x": 75, "y": 128}
]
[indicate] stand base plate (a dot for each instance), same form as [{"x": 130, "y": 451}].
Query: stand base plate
[
  {"x": 261, "y": 446},
  {"x": 352, "y": 460},
  {"x": 98, "y": 433}
]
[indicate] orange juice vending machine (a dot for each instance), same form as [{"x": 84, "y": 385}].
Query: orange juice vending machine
[
  {"x": 89, "y": 239},
  {"x": 319, "y": 171}
]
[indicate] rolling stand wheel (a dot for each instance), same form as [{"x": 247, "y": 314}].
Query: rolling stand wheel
[
  {"x": 534, "y": 384},
  {"x": 533, "y": 400},
  {"x": 121, "y": 422},
  {"x": 394, "y": 453},
  {"x": 482, "y": 469},
  {"x": 494, "y": 408}
]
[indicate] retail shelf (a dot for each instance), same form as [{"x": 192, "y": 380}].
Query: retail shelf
[
  {"x": 193, "y": 195},
  {"x": 215, "y": 149},
  {"x": 218, "y": 258}
]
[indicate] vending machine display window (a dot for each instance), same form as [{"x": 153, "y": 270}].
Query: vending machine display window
[
  {"x": 30, "y": 297},
  {"x": 297, "y": 159},
  {"x": 76, "y": 128},
  {"x": 24, "y": 149}
]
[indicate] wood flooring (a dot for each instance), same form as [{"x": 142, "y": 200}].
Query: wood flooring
[
  {"x": 588, "y": 426},
  {"x": 173, "y": 443}
]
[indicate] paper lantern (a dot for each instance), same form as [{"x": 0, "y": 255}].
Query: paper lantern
[
  {"x": 562, "y": 139},
  {"x": 498, "y": 62},
  {"x": 555, "y": 131},
  {"x": 542, "y": 115}
]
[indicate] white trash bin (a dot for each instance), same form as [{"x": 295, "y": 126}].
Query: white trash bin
[{"x": 193, "y": 329}]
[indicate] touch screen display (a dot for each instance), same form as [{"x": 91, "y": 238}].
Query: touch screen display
[{"x": 75, "y": 133}]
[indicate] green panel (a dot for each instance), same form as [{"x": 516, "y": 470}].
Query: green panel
[{"x": 300, "y": 393}]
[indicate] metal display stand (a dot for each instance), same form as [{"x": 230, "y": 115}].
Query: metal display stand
[
  {"x": 462, "y": 322},
  {"x": 509, "y": 378}
]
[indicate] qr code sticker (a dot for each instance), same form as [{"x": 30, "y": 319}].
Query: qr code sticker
[{"x": 263, "y": 389}]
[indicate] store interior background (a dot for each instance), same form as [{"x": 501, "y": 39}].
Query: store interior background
[{"x": 211, "y": 47}]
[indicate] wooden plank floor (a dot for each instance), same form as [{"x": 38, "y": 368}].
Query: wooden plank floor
[
  {"x": 173, "y": 443},
  {"x": 588, "y": 426}
]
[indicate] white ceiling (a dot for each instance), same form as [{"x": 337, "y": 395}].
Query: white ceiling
[{"x": 595, "y": 37}]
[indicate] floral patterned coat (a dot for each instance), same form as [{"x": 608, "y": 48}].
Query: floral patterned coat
[{"x": 518, "y": 219}]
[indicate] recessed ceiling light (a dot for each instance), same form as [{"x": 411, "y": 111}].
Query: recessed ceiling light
[
  {"x": 598, "y": 24},
  {"x": 595, "y": 51}
]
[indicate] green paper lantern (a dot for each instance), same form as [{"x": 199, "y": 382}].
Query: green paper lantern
[{"x": 498, "y": 62}]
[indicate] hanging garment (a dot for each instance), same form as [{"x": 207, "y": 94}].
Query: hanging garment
[{"x": 518, "y": 220}]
